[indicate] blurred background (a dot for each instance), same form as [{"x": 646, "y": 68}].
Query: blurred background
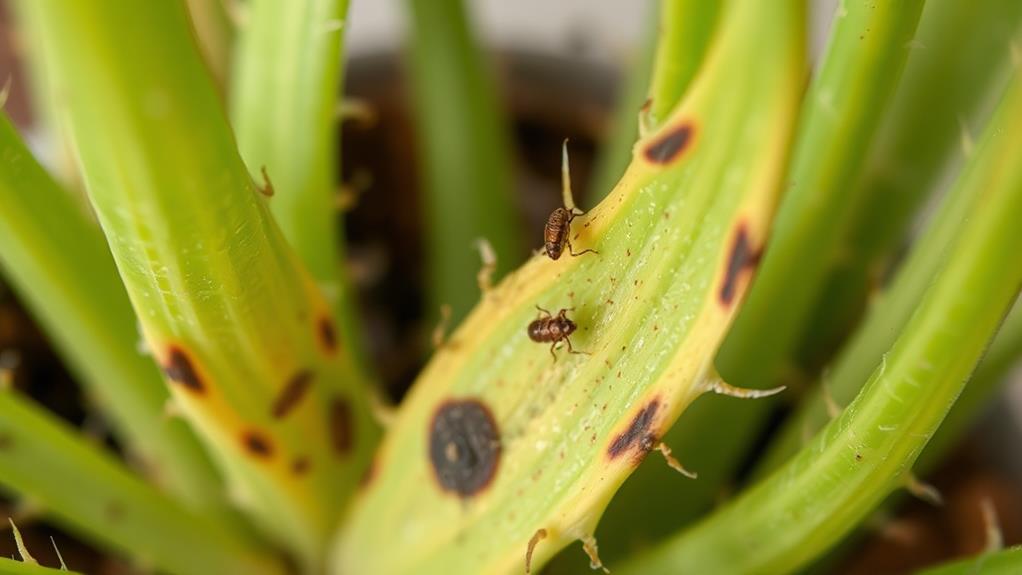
[{"x": 561, "y": 67}]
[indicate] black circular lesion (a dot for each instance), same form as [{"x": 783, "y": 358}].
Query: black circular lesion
[{"x": 464, "y": 446}]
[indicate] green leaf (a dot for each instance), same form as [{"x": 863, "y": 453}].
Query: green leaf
[
  {"x": 789, "y": 518},
  {"x": 499, "y": 443},
  {"x": 241, "y": 330},
  {"x": 843, "y": 108},
  {"x": 55, "y": 258},
  {"x": 286, "y": 91}
]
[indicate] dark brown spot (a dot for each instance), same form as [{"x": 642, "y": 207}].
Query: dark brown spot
[
  {"x": 742, "y": 258},
  {"x": 639, "y": 435},
  {"x": 6, "y": 441},
  {"x": 300, "y": 466},
  {"x": 464, "y": 446},
  {"x": 291, "y": 394},
  {"x": 858, "y": 457},
  {"x": 670, "y": 146},
  {"x": 327, "y": 334},
  {"x": 257, "y": 444},
  {"x": 342, "y": 436},
  {"x": 179, "y": 369}
]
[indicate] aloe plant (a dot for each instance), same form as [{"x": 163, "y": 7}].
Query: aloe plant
[{"x": 205, "y": 137}]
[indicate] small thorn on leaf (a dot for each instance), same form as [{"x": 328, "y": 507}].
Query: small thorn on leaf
[
  {"x": 922, "y": 490},
  {"x": 991, "y": 526},
  {"x": 171, "y": 409},
  {"x": 646, "y": 118},
  {"x": 673, "y": 462},
  {"x": 719, "y": 387},
  {"x": 592, "y": 550},
  {"x": 63, "y": 566},
  {"x": 360, "y": 111},
  {"x": 26, "y": 557},
  {"x": 349, "y": 192},
  {"x": 440, "y": 331},
  {"x": 9, "y": 360},
  {"x": 567, "y": 197},
  {"x": 383, "y": 412},
  {"x": 833, "y": 409},
  {"x": 267, "y": 189},
  {"x": 484, "y": 278},
  {"x": 538, "y": 536},
  {"x": 5, "y": 92}
]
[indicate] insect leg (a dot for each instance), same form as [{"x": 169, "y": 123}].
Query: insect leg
[
  {"x": 571, "y": 250},
  {"x": 573, "y": 350}
]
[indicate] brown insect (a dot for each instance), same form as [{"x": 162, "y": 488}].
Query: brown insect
[
  {"x": 553, "y": 329},
  {"x": 555, "y": 234},
  {"x": 558, "y": 226}
]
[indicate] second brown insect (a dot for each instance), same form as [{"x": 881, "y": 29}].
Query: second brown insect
[{"x": 549, "y": 328}]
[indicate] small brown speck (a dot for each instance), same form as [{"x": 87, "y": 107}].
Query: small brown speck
[
  {"x": 113, "y": 511},
  {"x": 300, "y": 466}
]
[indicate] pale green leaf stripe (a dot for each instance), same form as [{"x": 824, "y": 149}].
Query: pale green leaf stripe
[
  {"x": 57, "y": 261},
  {"x": 91, "y": 493},
  {"x": 803, "y": 508}
]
